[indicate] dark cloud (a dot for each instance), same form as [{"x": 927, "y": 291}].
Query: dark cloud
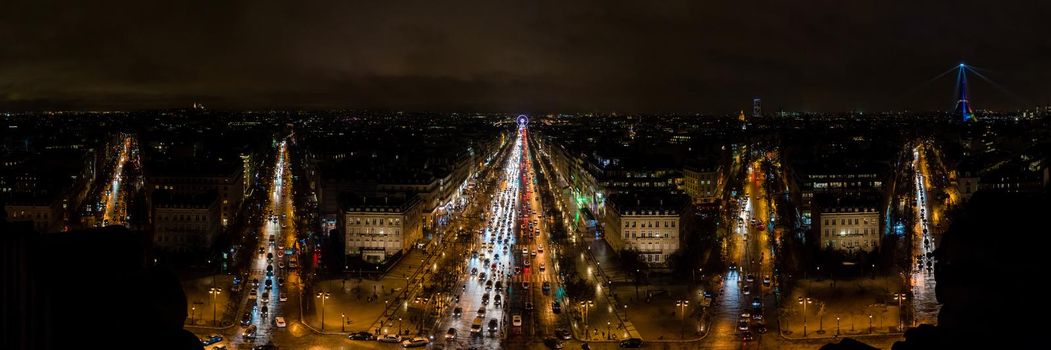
[{"x": 519, "y": 55}]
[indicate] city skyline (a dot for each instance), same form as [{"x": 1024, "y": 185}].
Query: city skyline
[{"x": 537, "y": 175}]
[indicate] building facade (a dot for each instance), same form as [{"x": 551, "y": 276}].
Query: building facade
[
  {"x": 228, "y": 183},
  {"x": 46, "y": 217},
  {"x": 701, "y": 184},
  {"x": 650, "y": 226},
  {"x": 185, "y": 223},
  {"x": 377, "y": 227},
  {"x": 849, "y": 227}
]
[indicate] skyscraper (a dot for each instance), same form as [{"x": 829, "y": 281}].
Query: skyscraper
[{"x": 757, "y": 107}]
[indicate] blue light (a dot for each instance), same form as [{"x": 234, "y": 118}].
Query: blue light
[{"x": 961, "y": 65}]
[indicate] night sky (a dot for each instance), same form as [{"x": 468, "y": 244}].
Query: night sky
[{"x": 521, "y": 56}]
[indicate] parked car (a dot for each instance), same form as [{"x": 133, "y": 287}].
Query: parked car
[
  {"x": 563, "y": 333},
  {"x": 279, "y": 321},
  {"x": 516, "y": 320},
  {"x": 631, "y": 343},
  {"x": 415, "y": 343},
  {"x": 361, "y": 336},
  {"x": 390, "y": 338},
  {"x": 214, "y": 338}
]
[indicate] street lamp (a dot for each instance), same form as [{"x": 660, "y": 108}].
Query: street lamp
[
  {"x": 870, "y": 323},
  {"x": 837, "y": 325},
  {"x": 193, "y": 313},
  {"x": 899, "y": 297},
  {"x": 586, "y": 304},
  {"x": 343, "y": 322},
  {"x": 214, "y": 292},
  {"x": 681, "y": 304},
  {"x": 804, "y": 302},
  {"x": 323, "y": 296}
]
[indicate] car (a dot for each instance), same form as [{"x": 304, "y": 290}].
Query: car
[
  {"x": 264, "y": 311},
  {"x": 212, "y": 339},
  {"x": 481, "y": 311},
  {"x": 525, "y": 251},
  {"x": 499, "y": 285},
  {"x": 556, "y": 307},
  {"x": 525, "y": 284},
  {"x": 450, "y": 334},
  {"x": 493, "y": 325},
  {"x": 539, "y": 249},
  {"x": 757, "y": 303},
  {"x": 389, "y": 338},
  {"x": 249, "y": 332},
  {"x": 742, "y": 325},
  {"x": 746, "y": 315},
  {"x": 553, "y": 343},
  {"x": 279, "y": 321},
  {"x": 282, "y": 296},
  {"x": 631, "y": 343},
  {"x": 246, "y": 319},
  {"x": 766, "y": 280},
  {"x": 532, "y": 253},
  {"x": 526, "y": 262},
  {"x": 474, "y": 271},
  {"x": 546, "y": 287},
  {"x": 542, "y": 266},
  {"x": 516, "y": 320},
  {"x": 746, "y": 290},
  {"x": 253, "y": 292},
  {"x": 563, "y": 333},
  {"x": 760, "y": 328},
  {"x": 266, "y": 297},
  {"x": 529, "y": 305},
  {"x": 750, "y": 278},
  {"x": 757, "y": 316},
  {"x": 458, "y": 311},
  {"x": 361, "y": 336},
  {"x": 269, "y": 283}
]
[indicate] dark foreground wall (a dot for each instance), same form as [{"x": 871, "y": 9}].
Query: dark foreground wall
[{"x": 87, "y": 289}]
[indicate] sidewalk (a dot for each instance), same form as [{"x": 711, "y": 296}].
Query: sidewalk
[
  {"x": 359, "y": 303},
  {"x": 199, "y": 305},
  {"x": 851, "y": 308}
]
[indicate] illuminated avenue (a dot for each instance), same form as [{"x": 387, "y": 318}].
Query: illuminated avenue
[
  {"x": 513, "y": 232},
  {"x": 488, "y": 175}
]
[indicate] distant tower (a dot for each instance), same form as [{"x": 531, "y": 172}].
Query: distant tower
[
  {"x": 963, "y": 104},
  {"x": 757, "y": 107},
  {"x": 741, "y": 117}
]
